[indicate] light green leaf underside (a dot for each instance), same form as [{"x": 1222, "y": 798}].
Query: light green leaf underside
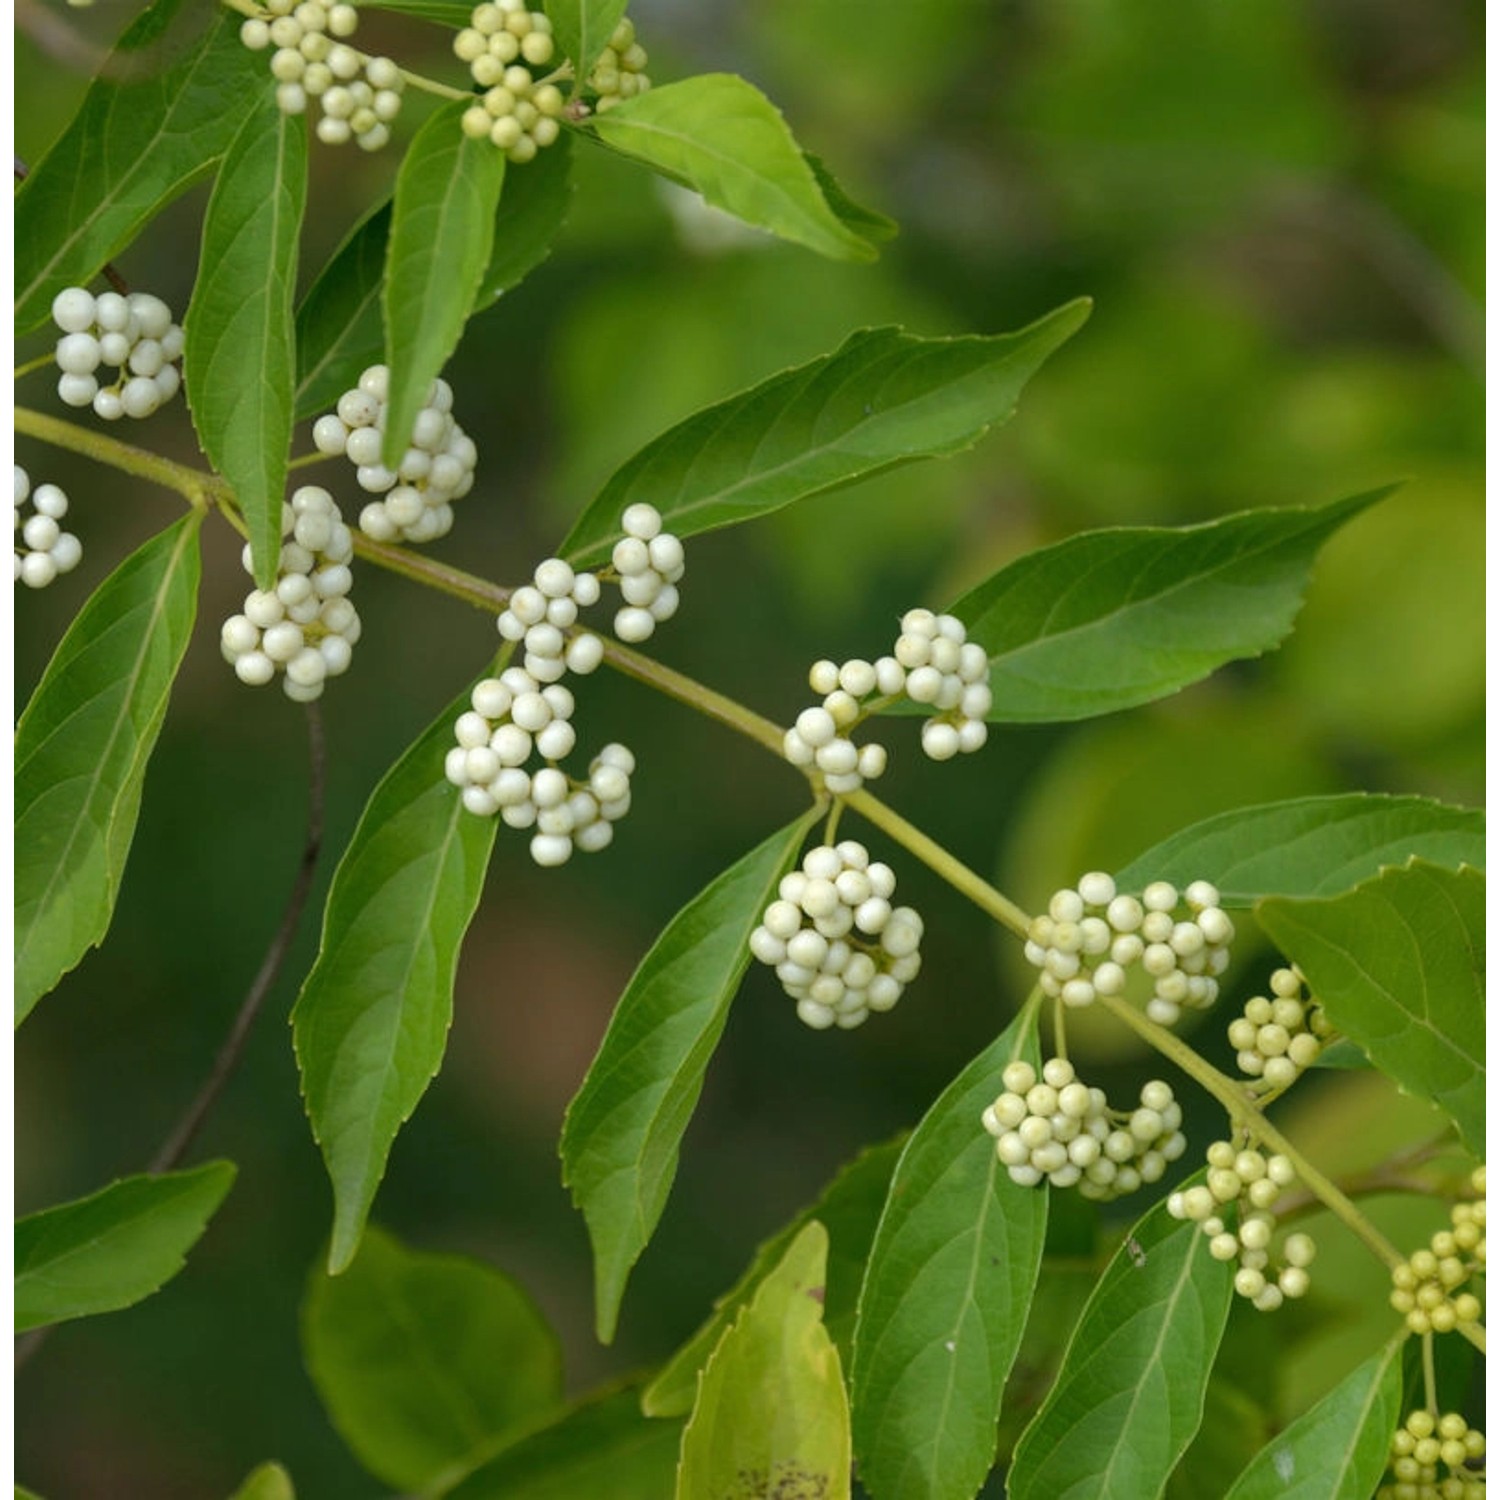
[
  {"x": 371, "y": 1022},
  {"x": 720, "y": 135},
  {"x": 1339, "y": 1448},
  {"x": 848, "y": 1209},
  {"x": 1397, "y": 964},
  {"x": 623, "y": 1130},
  {"x": 771, "y": 1416},
  {"x": 339, "y": 330},
  {"x": 441, "y": 234},
  {"x": 882, "y": 398},
  {"x": 603, "y": 1446},
  {"x": 1129, "y": 1396},
  {"x": 1310, "y": 846},
  {"x": 582, "y": 29},
  {"x": 426, "y": 1362},
  {"x": 945, "y": 1295},
  {"x": 1115, "y": 618},
  {"x": 113, "y": 1248},
  {"x": 160, "y": 113},
  {"x": 81, "y": 751},
  {"x": 268, "y": 1482},
  {"x": 239, "y": 360}
]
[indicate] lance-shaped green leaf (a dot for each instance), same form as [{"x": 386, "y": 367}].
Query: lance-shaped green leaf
[
  {"x": 720, "y": 135},
  {"x": 426, "y": 1363},
  {"x": 848, "y": 1209},
  {"x": 1339, "y": 1448},
  {"x": 582, "y": 29},
  {"x": 81, "y": 751},
  {"x": 624, "y": 1128},
  {"x": 1115, "y": 618},
  {"x": 882, "y": 398},
  {"x": 268, "y": 1482},
  {"x": 601, "y": 1446},
  {"x": 113, "y": 1248},
  {"x": 161, "y": 111},
  {"x": 945, "y": 1295},
  {"x": 239, "y": 359},
  {"x": 865, "y": 222},
  {"x": 1398, "y": 966},
  {"x": 1129, "y": 1396},
  {"x": 441, "y": 235},
  {"x": 1310, "y": 846},
  {"x": 371, "y": 1022},
  {"x": 339, "y": 331},
  {"x": 771, "y": 1416}
]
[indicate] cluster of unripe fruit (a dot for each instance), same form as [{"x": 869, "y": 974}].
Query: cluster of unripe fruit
[
  {"x": 306, "y": 627},
  {"x": 133, "y": 334},
  {"x": 933, "y": 663},
  {"x": 1061, "y": 1129},
  {"x": 620, "y": 71},
  {"x": 1423, "y": 1442},
  {"x": 1425, "y": 1287},
  {"x": 1247, "y": 1182},
  {"x": 1090, "y": 937},
  {"x": 358, "y": 95},
  {"x": 43, "y": 548},
  {"x": 501, "y": 44},
  {"x": 1281, "y": 1035},
  {"x": 437, "y": 468},
  {"x": 839, "y": 948}
]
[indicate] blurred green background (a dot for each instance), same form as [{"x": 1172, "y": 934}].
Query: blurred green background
[{"x": 1276, "y": 205}]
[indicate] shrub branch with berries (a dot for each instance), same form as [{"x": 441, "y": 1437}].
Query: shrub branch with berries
[{"x": 1196, "y": 1194}]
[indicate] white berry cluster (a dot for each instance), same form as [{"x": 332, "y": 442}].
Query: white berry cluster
[
  {"x": 818, "y": 737},
  {"x": 839, "y": 947},
  {"x": 358, "y": 95},
  {"x": 511, "y": 716},
  {"x": 1064, "y": 1130},
  {"x": 541, "y": 613},
  {"x": 1251, "y": 1182},
  {"x": 517, "y": 113},
  {"x": 1090, "y": 937},
  {"x": 620, "y": 72},
  {"x": 1279, "y": 1036},
  {"x": 1425, "y": 1288},
  {"x": 132, "y": 334},
  {"x": 43, "y": 548},
  {"x": 647, "y": 563},
  {"x": 946, "y": 671},
  {"x": 1423, "y": 1442},
  {"x": 307, "y": 626},
  {"x": 436, "y": 469}
]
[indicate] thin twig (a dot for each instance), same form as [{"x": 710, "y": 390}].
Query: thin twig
[{"x": 176, "y": 1145}]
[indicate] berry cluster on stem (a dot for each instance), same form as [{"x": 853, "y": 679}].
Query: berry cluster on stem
[
  {"x": 620, "y": 70},
  {"x": 1422, "y": 1442},
  {"x": 1278, "y": 1037},
  {"x": 1426, "y": 1287},
  {"x": 518, "y": 113},
  {"x": 42, "y": 548},
  {"x": 133, "y": 334}
]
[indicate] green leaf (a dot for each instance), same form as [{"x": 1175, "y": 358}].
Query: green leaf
[
  {"x": 371, "y": 1022},
  {"x": 81, "y": 752},
  {"x": 1115, "y": 618},
  {"x": 602, "y": 1446},
  {"x": 1130, "y": 1393},
  {"x": 113, "y": 1248},
  {"x": 339, "y": 332},
  {"x": 865, "y": 222},
  {"x": 582, "y": 29},
  {"x": 25, "y": 1494},
  {"x": 720, "y": 135},
  {"x": 239, "y": 358},
  {"x": 622, "y": 1131},
  {"x": 161, "y": 111},
  {"x": 1398, "y": 966},
  {"x": 882, "y": 398},
  {"x": 945, "y": 1295},
  {"x": 1309, "y": 846},
  {"x": 445, "y": 12},
  {"x": 268, "y": 1482},
  {"x": 771, "y": 1416},
  {"x": 426, "y": 1363},
  {"x": 1339, "y": 1449},
  {"x": 441, "y": 235},
  {"x": 848, "y": 1209}
]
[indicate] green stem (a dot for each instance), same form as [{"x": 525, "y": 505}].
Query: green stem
[
  {"x": 1250, "y": 1119},
  {"x": 1429, "y": 1374},
  {"x": 34, "y": 364},
  {"x": 196, "y": 487},
  {"x": 307, "y": 460}
]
